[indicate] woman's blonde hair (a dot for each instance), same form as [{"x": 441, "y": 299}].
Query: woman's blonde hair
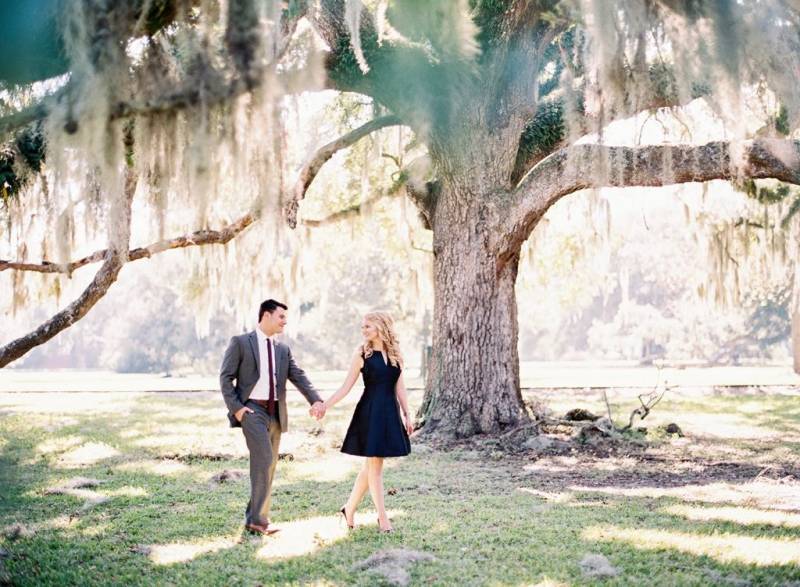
[{"x": 384, "y": 324}]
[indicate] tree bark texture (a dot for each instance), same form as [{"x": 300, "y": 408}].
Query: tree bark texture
[
  {"x": 473, "y": 376},
  {"x": 794, "y": 315}
]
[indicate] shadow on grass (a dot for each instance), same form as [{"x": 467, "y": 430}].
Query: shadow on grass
[{"x": 464, "y": 508}]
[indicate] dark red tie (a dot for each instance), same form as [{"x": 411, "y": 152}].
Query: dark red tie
[{"x": 271, "y": 404}]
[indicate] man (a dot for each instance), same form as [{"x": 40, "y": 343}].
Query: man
[{"x": 253, "y": 382}]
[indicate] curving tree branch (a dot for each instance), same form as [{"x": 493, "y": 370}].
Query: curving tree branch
[
  {"x": 26, "y": 116},
  {"x": 105, "y": 277},
  {"x": 312, "y": 167},
  {"x": 595, "y": 166},
  {"x": 549, "y": 121},
  {"x": 196, "y": 238},
  {"x": 348, "y": 212},
  {"x": 114, "y": 259}
]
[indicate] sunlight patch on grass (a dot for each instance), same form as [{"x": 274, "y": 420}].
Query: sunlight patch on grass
[
  {"x": 725, "y": 426},
  {"x": 303, "y": 537},
  {"x": 331, "y": 468},
  {"x": 95, "y": 530},
  {"x": 725, "y": 548},
  {"x": 181, "y": 552},
  {"x": 90, "y": 497},
  {"x": 191, "y": 444},
  {"x": 189, "y": 432},
  {"x": 161, "y": 467},
  {"x": 753, "y": 407},
  {"x": 170, "y": 411},
  {"x": 128, "y": 492},
  {"x": 560, "y": 497},
  {"x": 554, "y": 464},
  {"x": 738, "y": 515},
  {"x": 57, "y": 523},
  {"x": 51, "y": 422},
  {"x": 87, "y": 454},
  {"x": 79, "y": 403},
  {"x": 614, "y": 464},
  {"x": 52, "y": 445},
  {"x": 763, "y": 494}
]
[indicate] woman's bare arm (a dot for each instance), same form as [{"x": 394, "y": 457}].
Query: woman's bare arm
[{"x": 355, "y": 367}]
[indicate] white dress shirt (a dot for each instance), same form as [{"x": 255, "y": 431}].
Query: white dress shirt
[{"x": 261, "y": 390}]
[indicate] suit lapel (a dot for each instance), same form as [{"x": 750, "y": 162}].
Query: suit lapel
[
  {"x": 254, "y": 346},
  {"x": 278, "y": 360}
]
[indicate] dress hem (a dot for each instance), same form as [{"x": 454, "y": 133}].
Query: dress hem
[{"x": 354, "y": 454}]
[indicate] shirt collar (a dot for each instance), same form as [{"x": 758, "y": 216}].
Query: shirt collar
[{"x": 262, "y": 335}]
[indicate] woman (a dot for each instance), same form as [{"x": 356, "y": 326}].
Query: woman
[{"x": 376, "y": 430}]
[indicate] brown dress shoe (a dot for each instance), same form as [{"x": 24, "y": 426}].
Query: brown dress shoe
[{"x": 259, "y": 529}]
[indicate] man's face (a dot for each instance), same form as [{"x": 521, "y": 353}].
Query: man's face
[{"x": 273, "y": 322}]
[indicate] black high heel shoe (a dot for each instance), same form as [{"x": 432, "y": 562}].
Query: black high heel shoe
[{"x": 344, "y": 513}]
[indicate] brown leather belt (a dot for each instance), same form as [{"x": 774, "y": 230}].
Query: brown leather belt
[{"x": 265, "y": 404}]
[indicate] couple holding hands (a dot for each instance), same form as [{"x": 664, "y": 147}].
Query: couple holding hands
[{"x": 253, "y": 383}]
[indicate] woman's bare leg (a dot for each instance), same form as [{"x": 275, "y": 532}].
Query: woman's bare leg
[
  {"x": 375, "y": 479},
  {"x": 360, "y": 487}
]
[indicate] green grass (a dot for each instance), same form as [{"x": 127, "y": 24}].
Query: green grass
[{"x": 517, "y": 519}]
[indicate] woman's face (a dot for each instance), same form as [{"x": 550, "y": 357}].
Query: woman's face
[{"x": 368, "y": 331}]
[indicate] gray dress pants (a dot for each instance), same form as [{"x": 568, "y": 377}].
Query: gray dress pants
[{"x": 263, "y": 435}]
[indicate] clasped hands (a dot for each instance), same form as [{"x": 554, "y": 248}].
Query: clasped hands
[{"x": 317, "y": 410}]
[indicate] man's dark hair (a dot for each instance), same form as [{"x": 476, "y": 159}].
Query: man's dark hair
[{"x": 270, "y": 306}]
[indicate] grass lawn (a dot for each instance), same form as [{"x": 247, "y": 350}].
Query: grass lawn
[{"x": 119, "y": 488}]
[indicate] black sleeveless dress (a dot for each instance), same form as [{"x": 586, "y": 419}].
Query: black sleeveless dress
[{"x": 376, "y": 429}]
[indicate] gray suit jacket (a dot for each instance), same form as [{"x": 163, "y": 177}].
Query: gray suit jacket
[{"x": 241, "y": 370}]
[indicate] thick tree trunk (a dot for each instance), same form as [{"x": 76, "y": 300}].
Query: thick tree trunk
[
  {"x": 796, "y": 340},
  {"x": 794, "y": 311},
  {"x": 473, "y": 377}
]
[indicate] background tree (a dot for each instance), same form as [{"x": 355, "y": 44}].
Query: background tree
[{"x": 510, "y": 98}]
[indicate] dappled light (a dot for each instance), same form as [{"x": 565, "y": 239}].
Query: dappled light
[
  {"x": 192, "y": 441},
  {"x": 181, "y": 552},
  {"x": 58, "y": 444},
  {"x": 88, "y": 496},
  {"x": 303, "y": 537},
  {"x": 746, "y": 516},
  {"x": 331, "y": 468},
  {"x": 728, "y": 426},
  {"x": 725, "y": 548},
  {"x": 95, "y": 530},
  {"x": 194, "y": 445},
  {"x": 438, "y": 493},
  {"x": 526, "y": 223},
  {"x": 165, "y": 467},
  {"x": 560, "y": 497},
  {"x": 761, "y": 493},
  {"x": 87, "y": 454},
  {"x": 73, "y": 404},
  {"x": 19, "y": 528},
  {"x": 83, "y": 489},
  {"x": 555, "y": 464}
]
